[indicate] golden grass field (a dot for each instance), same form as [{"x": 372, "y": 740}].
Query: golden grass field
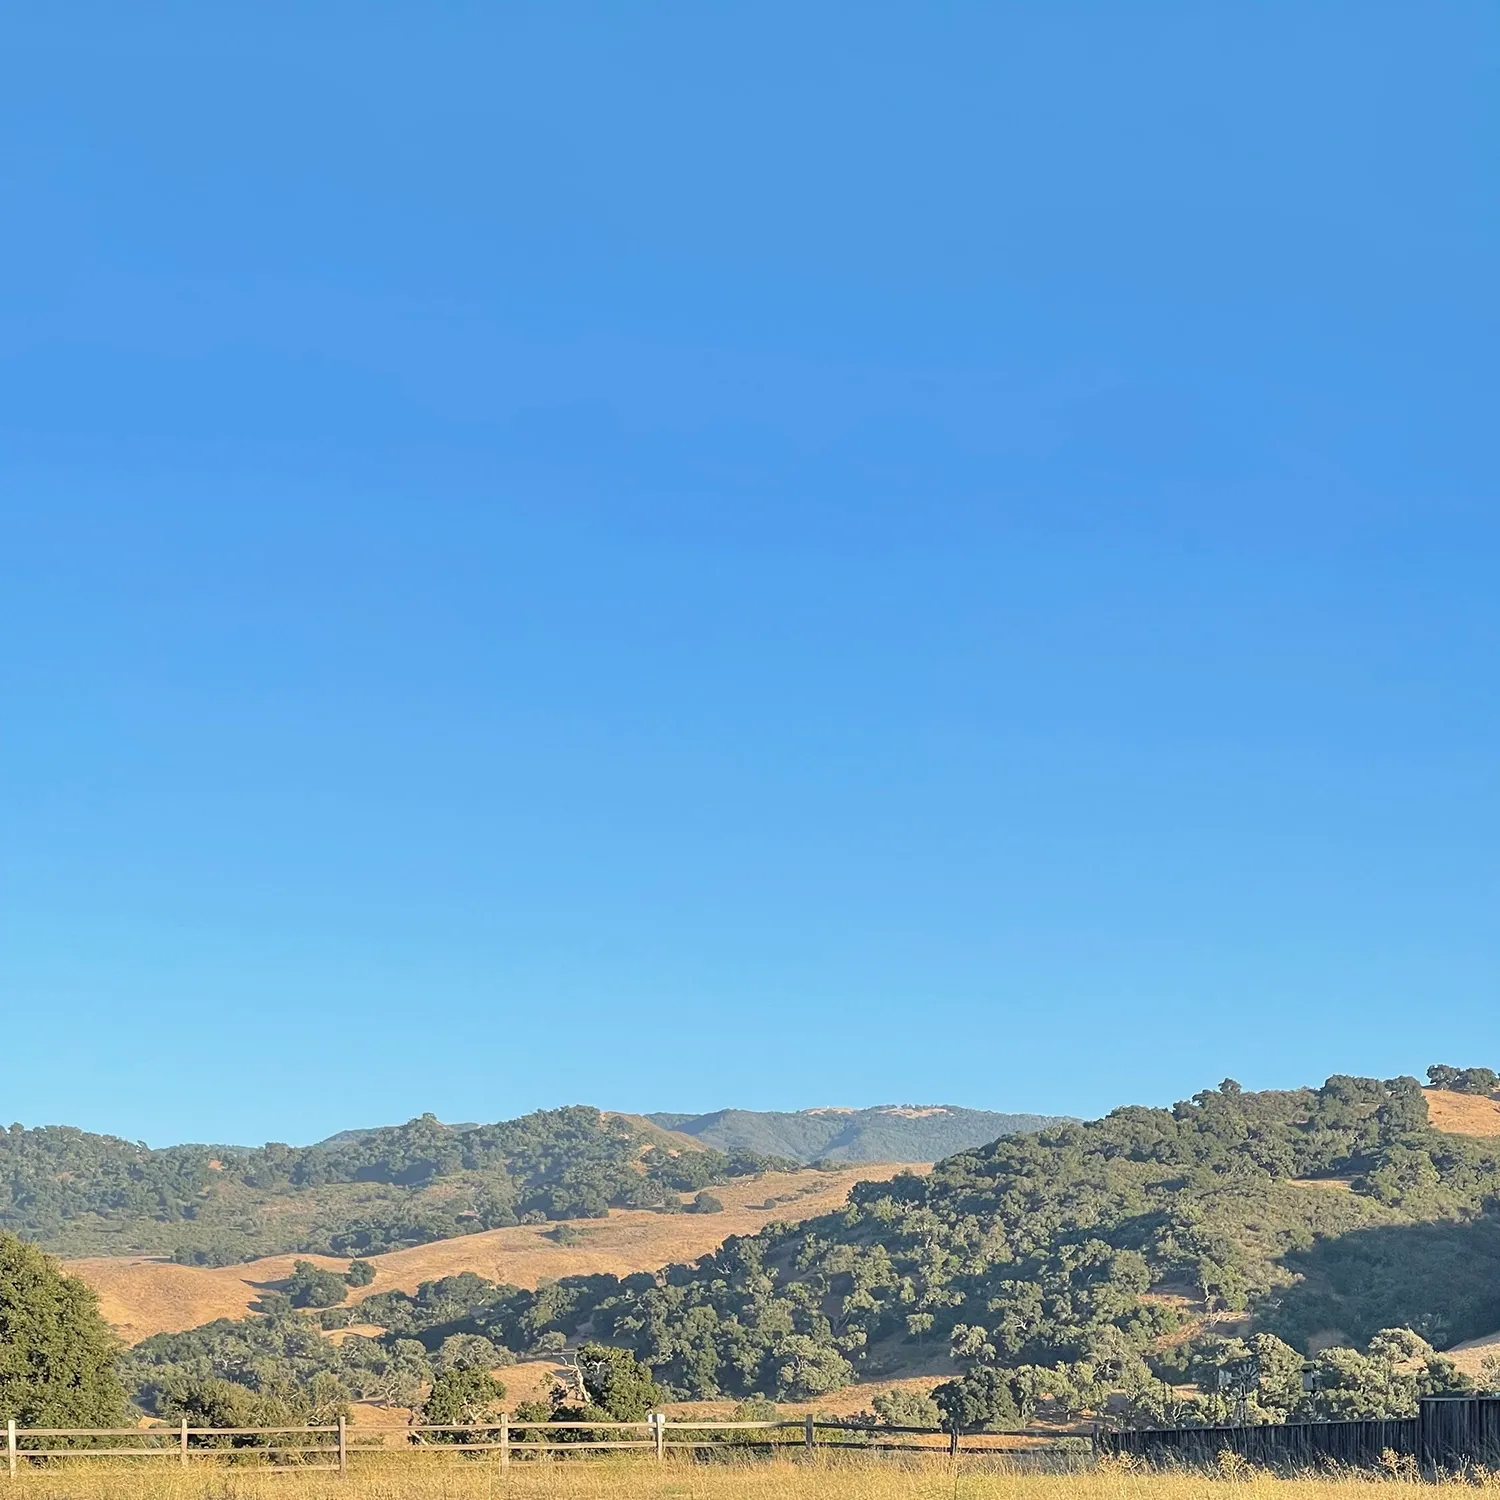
[
  {"x": 822, "y": 1478},
  {"x": 141, "y": 1296},
  {"x": 1463, "y": 1114}
]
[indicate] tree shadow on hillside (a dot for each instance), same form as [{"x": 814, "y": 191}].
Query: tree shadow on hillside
[{"x": 1443, "y": 1280}]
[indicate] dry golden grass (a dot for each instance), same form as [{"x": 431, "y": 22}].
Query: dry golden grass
[
  {"x": 142, "y": 1296},
  {"x": 1471, "y": 1355},
  {"x": 821, "y": 1478},
  {"x": 1463, "y": 1114}
]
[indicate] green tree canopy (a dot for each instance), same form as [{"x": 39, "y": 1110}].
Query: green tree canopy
[
  {"x": 312, "y": 1286},
  {"x": 1463, "y": 1080},
  {"x": 462, "y": 1395},
  {"x": 57, "y": 1354},
  {"x": 617, "y": 1383}
]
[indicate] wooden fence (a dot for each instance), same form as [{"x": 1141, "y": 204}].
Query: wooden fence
[
  {"x": 1289, "y": 1445},
  {"x": 1448, "y": 1435},
  {"x": 331, "y": 1448}
]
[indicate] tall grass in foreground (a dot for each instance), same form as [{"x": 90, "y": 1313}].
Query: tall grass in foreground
[{"x": 821, "y": 1478}]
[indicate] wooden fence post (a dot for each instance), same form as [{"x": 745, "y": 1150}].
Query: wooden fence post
[
  {"x": 10, "y": 1445},
  {"x": 343, "y": 1447},
  {"x": 659, "y": 1432},
  {"x": 505, "y": 1440},
  {"x": 183, "y": 1459},
  {"x": 808, "y": 1438}
]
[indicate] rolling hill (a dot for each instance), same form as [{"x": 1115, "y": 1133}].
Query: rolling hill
[
  {"x": 359, "y": 1193},
  {"x": 1111, "y": 1262},
  {"x": 888, "y": 1132},
  {"x": 143, "y": 1296},
  {"x": 364, "y": 1192},
  {"x": 1130, "y": 1244}
]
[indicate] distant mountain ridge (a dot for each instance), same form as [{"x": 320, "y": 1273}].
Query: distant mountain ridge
[{"x": 886, "y": 1132}]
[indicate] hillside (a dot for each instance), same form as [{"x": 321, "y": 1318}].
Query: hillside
[
  {"x": 1120, "y": 1261},
  {"x": 141, "y": 1297},
  {"x": 359, "y": 1193},
  {"x": 889, "y": 1132},
  {"x": 1463, "y": 1114}
]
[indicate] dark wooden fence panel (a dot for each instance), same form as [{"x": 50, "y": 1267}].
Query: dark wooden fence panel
[
  {"x": 1450, "y": 1433},
  {"x": 1294, "y": 1445},
  {"x": 1460, "y": 1430}
]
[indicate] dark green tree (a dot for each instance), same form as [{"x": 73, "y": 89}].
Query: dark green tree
[
  {"x": 1463, "y": 1080},
  {"x": 321, "y": 1401},
  {"x": 706, "y": 1203},
  {"x": 616, "y": 1382},
  {"x": 981, "y": 1397},
  {"x": 462, "y": 1396},
  {"x": 57, "y": 1354},
  {"x": 806, "y": 1368},
  {"x": 360, "y": 1273},
  {"x": 312, "y": 1286}
]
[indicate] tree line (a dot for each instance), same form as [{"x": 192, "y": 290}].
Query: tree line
[{"x": 77, "y": 1193}]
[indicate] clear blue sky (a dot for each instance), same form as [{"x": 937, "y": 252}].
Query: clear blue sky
[{"x": 672, "y": 555}]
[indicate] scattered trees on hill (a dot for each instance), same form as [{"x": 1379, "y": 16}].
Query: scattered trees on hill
[
  {"x": 283, "y": 1358},
  {"x": 1463, "y": 1080},
  {"x": 66, "y": 1187}
]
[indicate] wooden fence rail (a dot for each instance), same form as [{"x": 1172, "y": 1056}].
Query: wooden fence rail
[{"x": 657, "y": 1435}]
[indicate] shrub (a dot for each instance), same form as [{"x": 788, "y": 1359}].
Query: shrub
[{"x": 907, "y": 1408}]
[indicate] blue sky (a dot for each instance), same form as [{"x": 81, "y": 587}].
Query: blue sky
[{"x": 674, "y": 556}]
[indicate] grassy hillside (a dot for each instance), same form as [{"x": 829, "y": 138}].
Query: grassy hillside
[
  {"x": 1088, "y": 1243},
  {"x": 142, "y": 1297},
  {"x": 1120, "y": 1260},
  {"x": 890, "y": 1132},
  {"x": 359, "y": 1193}
]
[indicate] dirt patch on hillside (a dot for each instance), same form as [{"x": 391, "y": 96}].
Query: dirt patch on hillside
[
  {"x": 142, "y": 1296},
  {"x": 1463, "y": 1114}
]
